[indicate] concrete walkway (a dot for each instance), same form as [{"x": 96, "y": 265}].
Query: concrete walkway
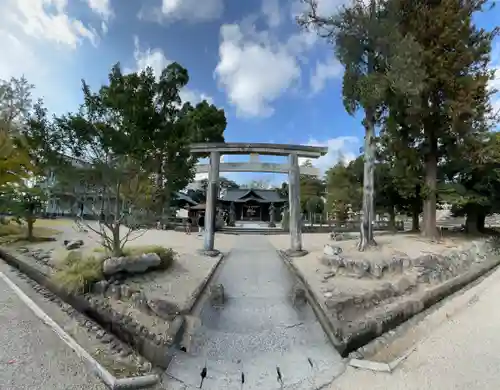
[
  {"x": 258, "y": 330},
  {"x": 461, "y": 354},
  {"x": 32, "y": 356}
]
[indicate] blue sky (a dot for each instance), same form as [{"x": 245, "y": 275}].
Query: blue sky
[{"x": 276, "y": 83}]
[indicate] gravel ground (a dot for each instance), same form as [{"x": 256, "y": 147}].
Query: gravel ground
[
  {"x": 180, "y": 242},
  {"x": 32, "y": 356},
  {"x": 462, "y": 353}
]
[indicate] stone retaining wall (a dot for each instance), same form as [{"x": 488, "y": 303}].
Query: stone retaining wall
[
  {"x": 431, "y": 268},
  {"x": 355, "y": 320},
  {"x": 156, "y": 348}
]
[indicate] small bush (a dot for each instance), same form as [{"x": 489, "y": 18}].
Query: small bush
[
  {"x": 10, "y": 229},
  {"x": 167, "y": 255},
  {"x": 78, "y": 272}
]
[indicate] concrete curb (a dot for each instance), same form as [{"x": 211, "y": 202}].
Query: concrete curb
[
  {"x": 318, "y": 310},
  {"x": 371, "y": 365},
  {"x": 401, "y": 313},
  {"x": 100, "y": 371},
  {"x": 202, "y": 287},
  {"x": 179, "y": 332}
]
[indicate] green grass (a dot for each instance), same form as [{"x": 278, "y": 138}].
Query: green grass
[
  {"x": 12, "y": 232},
  {"x": 78, "y": 272}
]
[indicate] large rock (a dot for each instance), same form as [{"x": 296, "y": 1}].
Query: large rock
[
  {"x": 163, "y": 309},
  {"x": 130, "y": 264},
  {"x": 70, "y": 245},
  {"x": 332, "y": 250}
]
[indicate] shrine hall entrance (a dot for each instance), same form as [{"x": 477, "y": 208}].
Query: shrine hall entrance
[
  {"x": 252, "y": 207},
  {"x": 253, "y": 211}
]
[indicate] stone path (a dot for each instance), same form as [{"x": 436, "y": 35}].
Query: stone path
[
  {"x": 32, "y": 356},
  {"x": 257, "y": 331}
]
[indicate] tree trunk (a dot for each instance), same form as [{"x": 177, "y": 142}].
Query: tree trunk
[
  {"x": 481, "y": 219},
  {"x": 415, "y": 223},
  {"x": 474, "y": 221},
  {"x": 368, "y": 184},
  {"x": 117, "y": 249},
  {"x": 392, "y": 218},
  {"x": 30, "y": 221},
  {"x": 429, "y": 219},
  {"x": 471, "y": 222}
]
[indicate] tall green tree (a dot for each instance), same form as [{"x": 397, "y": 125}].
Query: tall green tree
[
  {"x": 15, "y": 107},
  {"x": 224, "y": 182},
  {"x": 128, "y": 145},
  {"x": 472, "y": 184},
  {"x": 344, "y": 189},
  {"x": 311, "y": 187},
  {"x": 376, "y": 58},
  {"x": 161, "y": 126},
  {"x": 453, "y": 105},
  {"x": 15, "y": 103}
]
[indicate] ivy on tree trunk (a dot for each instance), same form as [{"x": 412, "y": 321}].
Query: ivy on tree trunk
[{"x": 367, "y": 239}]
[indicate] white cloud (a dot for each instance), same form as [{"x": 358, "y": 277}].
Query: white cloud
[
  {"x": 323, "y": 72},
  {"x": 156, "y": 59},
  {"x": 256, "y": 67},
  {"x": 272, "y": 12},
  {"x": 345, "y": 148},
  {"x": 194, "y": 96},
  {"x": 104, "y": 10},
  {"x": 36, "y": 37},
  {"x": 101, "y": 7},
  {"x": 46, "y": 20},
  {"x": 187, "y": 10},
  {"x": 253, "y": 70},
  {"x": 17, "y": 58}
]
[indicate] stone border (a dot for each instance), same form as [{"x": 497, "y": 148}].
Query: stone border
[
  {"x": 203, "y": 286},
  {"x": 398, "y": 315},
  {"x": 101, "y": 372},
  {"x": 361, "y": 357},
  {"x": 157, "y": 350},
  {"x": 319, "y": 311}
]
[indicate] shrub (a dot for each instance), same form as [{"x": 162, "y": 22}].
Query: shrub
[
  {"x": 78, "y": 272},
  {"x": 10, "y": 229}
]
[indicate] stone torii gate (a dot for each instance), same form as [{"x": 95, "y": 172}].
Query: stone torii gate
[{"x": 216, "y": 150}]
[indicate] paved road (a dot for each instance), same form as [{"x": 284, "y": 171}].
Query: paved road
[
  {"x": 257, "y": 330},
  {"x": 32, "y": 356}
]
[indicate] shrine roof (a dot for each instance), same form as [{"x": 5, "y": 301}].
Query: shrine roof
[{"x": 242, "y": 195}]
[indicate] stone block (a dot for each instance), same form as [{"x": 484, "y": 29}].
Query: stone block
[
  {"x": 100, "y": 287},
  {"x": 163, "y": 308},
  {"x": 217, "y": 296},
  {"x": 298, "y": 295},
  {"x": 332, "y": 250},
  {"x": 70, "y": 245},
  {"x": 402, "y": 286}
]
